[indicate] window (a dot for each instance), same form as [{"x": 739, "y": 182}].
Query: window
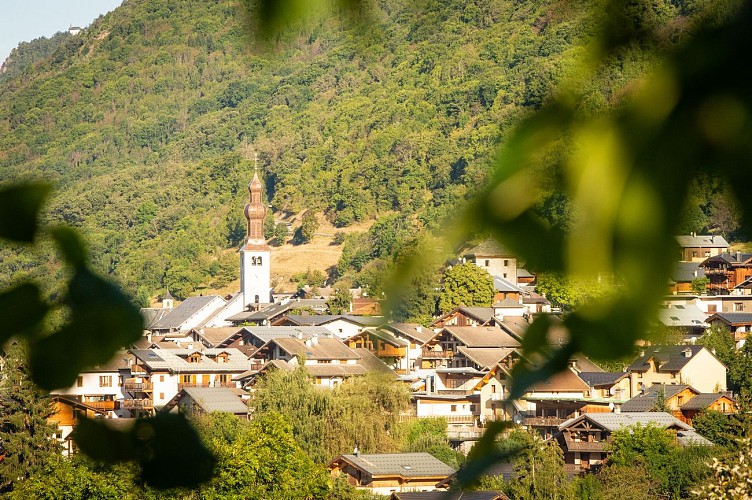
[
  {"x": 454, "y": 408},
  {"x": 105, "y": 381},
  {"x": 222, "y": 377},
  {"x": 505, "y": 275},
  {"x": 79, "y": 381},
  {"x": 161, "y": 378},
  {"x": 472, "y": 408},
  {"x": 161, "y": 395},
  {"x": 256, "y": 299},
  {"x": 712, "y": 308},
  {"x": 679, "y": 400},
  {"x": 738, "y": 306},
  {"x": 487, "y": 263},
  {"x": 256, "y": 260},
  {"x": 506, "y": 262}
]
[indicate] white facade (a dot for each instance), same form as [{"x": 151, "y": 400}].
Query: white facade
[{"x": 255, "y": 276}]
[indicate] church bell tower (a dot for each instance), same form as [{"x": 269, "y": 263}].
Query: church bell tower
[{"x": 255, "y": 268}]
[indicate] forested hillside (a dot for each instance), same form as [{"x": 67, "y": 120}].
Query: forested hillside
[{"x": 147, "y": 121}]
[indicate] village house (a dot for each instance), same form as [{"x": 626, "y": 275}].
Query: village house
[
  {"x": 193, "y": 312},
  {"x": 677, "y": 364},
  {"x": 494, "y": 259},
  {"x": 101, "y": 387},
  {"x": 696, "y": 248},
  {"x": 727, "y": 270},
  {"x": 328, "y": 360},
  {"x": 67, "y": 412},
  {"x": 584, "y": 439},
  {"x": 387, "y": 473},
  {"x": 661, "y": 397},
  {"x": 393, "y": 351},
  {"x": 739, "y": 324},
  {"x": 157, "y": 375},
  {"x": 342, "y": 325},
  {"x": 721, "y": 403},
  {"x": 194, "y": 401},
  {"x": 688, "y": 319},
  {"x": 683, "y": 275}
]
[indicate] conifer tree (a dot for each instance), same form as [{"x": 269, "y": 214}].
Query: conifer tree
[{"x": 27, "y": 438}]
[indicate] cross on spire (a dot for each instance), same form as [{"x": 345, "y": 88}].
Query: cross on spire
[{"x": 255, "y": 161}]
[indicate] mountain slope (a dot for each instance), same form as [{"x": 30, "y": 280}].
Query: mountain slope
[{"x": 142, "y": 123}]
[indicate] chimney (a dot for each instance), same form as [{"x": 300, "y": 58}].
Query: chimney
[
  {"x": 356, "y": 451},
  {"x": 308, "y": 343},
  {"x": 419, "y": 328},
  {"x": 738, "y": 256},
  {"x": 687, "y": 353},
  {"x": 299, "y": 335},
  {"x": 315, "y": 340},
  {"x": 617, "y": 409}
]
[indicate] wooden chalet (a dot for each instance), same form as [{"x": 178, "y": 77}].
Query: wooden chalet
[{"x": 726, "y": 271}]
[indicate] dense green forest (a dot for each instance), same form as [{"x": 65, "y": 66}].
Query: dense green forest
[{"x": 145, "y": 123}]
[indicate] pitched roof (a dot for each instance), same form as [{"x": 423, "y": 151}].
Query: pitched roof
[
  {"x": 338, "y": 370},
  {"x": 407, "y": 465},
  {"x": 684, "y": 272},
  {"x": 371, "y": 362},
  {"x": 489, "y": 248},
  {"x": 211, "y": 399},
  {"x": 732, "y": 318},
  {"x": 322, "y": 319},
  {"x": 641, "y": 402},
  {"x": 482, "y": 336},
  {"x": 564, "y": 381},
  {"x": 322, "y": 349},
  {"x": 702, "y": 401},
  {"x": 701, "y": 241},
  {"x": 683, "y": 316},
  {"x": 596, "y": 379},
  {"x": 504, "y": 285},
  {"x": 413, "y": 330},
  {"x": 267, "y": 333},
  {"x": 508, "y": 303},
  {"x": 671, "y": 358},
  {"x": 175, "y": 360},
  {"x": 217, "y": 336},
  {"x": 153, "y": 315},
  {"x": 615, "y": 421},
  {"x": 485, "y": 357},
  {"x": 183, "y": 312}
]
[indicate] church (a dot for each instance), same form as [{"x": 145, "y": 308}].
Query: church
[{"x": 255, "y": 281}]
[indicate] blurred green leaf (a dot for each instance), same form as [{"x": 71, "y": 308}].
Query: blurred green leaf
[
  {"x": 166, "y": 446},
  {"x": 98, "y": 440},
  {"x": 485, "y": 453},
  {"x": 70, "y": 244},
  {"x": 158, "y": 439},
  {"x": 22, "y": 309},
  {"x": 19, "y": 210},
  {"x": 102, "y": 321}
]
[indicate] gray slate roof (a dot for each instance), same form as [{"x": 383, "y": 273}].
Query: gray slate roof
[
  {"x": 701, "y": 401},
  {"x": 211, "y": 399},
  {"x": 489, "y": 248},
  {"x": 615, "y": 421},
  {"x": 485, "y": 357},
  {"x": 371, "y": 362},
  {"x": 267, "y": 333},
  {"x": 504, "y": 285},
  {"x": 183, "y": 312},
  {"x": 733, "y": 318},
  {"x": 153, "y": 315},
  {"x": 324, "y": 349},
  {"x": 400, "y": 464},
  {"x": 684, "y": 272},
  {"x": 174, "y": 360},
  {"x": 671, "y": 357},
  {"x": 413, "y": 330},
  {"x": 683, "y": 316},
  {"x": 596, "y": 379},
  {"x": 322, "y": 319},
  {"x": 482, "y": 336},
  {"x": 701, "y": 241}
]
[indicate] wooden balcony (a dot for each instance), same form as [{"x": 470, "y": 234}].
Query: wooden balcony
[
  {"x": 586, "y": 446},
  {"x": 183, "y": 385},
  {"x": 138, "y": 404},
  {"x": 453, "y": 392},
  {"x": 543, "y": 421},
  {"x": 391, "y": 352},
  {"x": 101, "y": 405},
  {"x": 431, "y": 354},
  {"x": 131, "y": 386}
]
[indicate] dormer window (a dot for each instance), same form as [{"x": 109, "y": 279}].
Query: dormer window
[
  {"x": 222, "y": 357},
  {"x": 194, "y": 358}
]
